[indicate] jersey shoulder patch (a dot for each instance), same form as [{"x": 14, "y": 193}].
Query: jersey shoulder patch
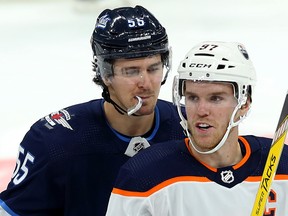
[{"x": 61, "y": 117}]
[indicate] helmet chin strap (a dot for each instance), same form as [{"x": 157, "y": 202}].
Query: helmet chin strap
[{"x": 130, "y": 111}]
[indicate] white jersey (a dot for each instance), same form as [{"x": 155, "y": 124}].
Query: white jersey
[{"x": 167, "y": 180}]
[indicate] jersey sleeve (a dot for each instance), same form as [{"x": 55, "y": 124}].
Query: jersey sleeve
[{"x": 34, "y": 180}]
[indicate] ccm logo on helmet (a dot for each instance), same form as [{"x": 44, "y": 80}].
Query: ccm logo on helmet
[{"x": 199, "y": 65}]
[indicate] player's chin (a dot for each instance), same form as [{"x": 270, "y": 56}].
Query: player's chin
[
  {"x": 204, "y": 142},
  {"x": 146, "y": 110}
]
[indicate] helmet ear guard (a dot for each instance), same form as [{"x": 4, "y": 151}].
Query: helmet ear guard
[
  {"x": 167, "y": 63},
  {"x": 103, "y": 71}
]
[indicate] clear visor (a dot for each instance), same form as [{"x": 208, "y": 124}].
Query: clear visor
[{"x": 137, "y": 70}]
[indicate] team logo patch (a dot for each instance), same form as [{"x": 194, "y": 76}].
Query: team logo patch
[
  {"x": 227, "y": 176},
  {"x": 102, "y": 22},
  {"x": 61, "y": 117},
  {"x": 136, "y": 144}
]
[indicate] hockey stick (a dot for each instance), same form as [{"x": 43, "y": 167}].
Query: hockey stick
[{"x": 272, "y": 161}]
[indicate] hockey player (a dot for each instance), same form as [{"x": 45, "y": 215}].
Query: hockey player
[
  {"x": 69, "y": 159},
  {"x": 213, "y": 171}
]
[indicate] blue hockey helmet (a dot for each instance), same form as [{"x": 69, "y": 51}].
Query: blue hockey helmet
[{"x": 127, "y": 32}]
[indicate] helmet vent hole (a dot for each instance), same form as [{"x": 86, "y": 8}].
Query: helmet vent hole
[
  {"x": 207, "y": 74},
  {"x": 184, "y": 65},
  {"x": 190, "y": 74},
  {"x": 203, "y": 54},
  {"x": 220, "y": 66},
  {"x": 231, "y": 66},
  {"x": 244, "y": 89},
  {"x": 224, "y": 59}
]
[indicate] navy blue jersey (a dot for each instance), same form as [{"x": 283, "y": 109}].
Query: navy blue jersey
[
  {"x": 68, "y": 160},
  {"x": 167, "y": 180}
]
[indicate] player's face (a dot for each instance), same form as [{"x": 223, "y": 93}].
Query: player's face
[
  {"x": 209, "y": 106},
  {"x": 137, "y": 77}
]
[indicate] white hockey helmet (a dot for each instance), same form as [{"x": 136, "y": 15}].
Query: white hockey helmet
[{"x": 221, "y": 62}]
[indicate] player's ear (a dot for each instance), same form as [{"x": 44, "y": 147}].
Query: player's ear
[
  {"x": 243, "y": 111},
  {"x": 245, "y": 107},
  {"x": 107, "y": 81}
]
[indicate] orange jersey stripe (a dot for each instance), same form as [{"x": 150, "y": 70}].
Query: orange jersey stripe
[
  {"x": 247, "y": 155},
  {"x": 183, "y": 179},
  {"x": 243, "y": 161},
  {"x": 160, "y": 186},
  {"x": 258, "y": 178}
]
